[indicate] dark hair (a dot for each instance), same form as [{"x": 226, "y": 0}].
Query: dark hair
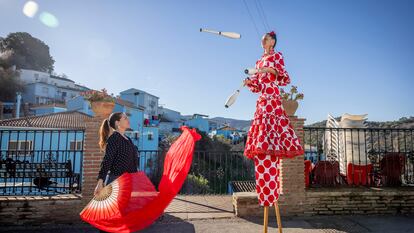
[
  {"x": 273, "y": 36},
  {"x": 106, "y": 126}
]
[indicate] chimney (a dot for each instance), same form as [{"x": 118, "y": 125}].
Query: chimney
[
  {"x": 1, "y": 110},
  {"x": 19, "y": 99}
]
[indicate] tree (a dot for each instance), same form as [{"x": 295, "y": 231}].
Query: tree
[
  {"x": 9, "y": 78},
  {"x": 9, "y": 84},
  {"x": 26, "y": 52}
]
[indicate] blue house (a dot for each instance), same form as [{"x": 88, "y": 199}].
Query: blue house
[
  {"x": 198, "y": 121},
  {"x": 145, "y": 137},
  {"x": 47, "y": 109},
  {"x": 226, "y": 131},
  {"x": 170, "y": 122},
  {"x": 142, "y": 99},
  {"x": 79, "y": 104},
  {"x": 54, "y": 138},
  {"x": 235, "y": 135},
  {"x": 213, "y": 125}
]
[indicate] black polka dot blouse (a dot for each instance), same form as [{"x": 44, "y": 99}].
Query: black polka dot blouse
[{"x": 121, "y": 156}]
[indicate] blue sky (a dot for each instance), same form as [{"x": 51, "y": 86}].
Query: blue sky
[{"x": 345, "y": 56}]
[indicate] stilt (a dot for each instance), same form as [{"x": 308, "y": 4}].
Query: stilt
[
  {"x": 265, "y": 218},
  {"x": 279, "y": 221}
]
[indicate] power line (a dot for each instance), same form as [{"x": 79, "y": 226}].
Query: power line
[
  {"x": 264, "y": 16},
  {"x": 261, "y": 14},
  {"x": 251, "y": 18}
]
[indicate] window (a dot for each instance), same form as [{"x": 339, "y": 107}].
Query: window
[
  {"x": 176, "y": 130},
  {"x": 45, "y": 90},
  {"x": 36, "y": 76},
  {"x": 127, "y": 112},
  {"x": 150, "y": 136},
  {"x": 22, "y": 147},
  {"x": 133, "y": 134},
  {"x": 76, "y": 145}
]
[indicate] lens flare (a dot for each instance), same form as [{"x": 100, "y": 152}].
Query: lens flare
[
  {"x": 49, "y": 20},
  {"x": 30, "y": 9}
]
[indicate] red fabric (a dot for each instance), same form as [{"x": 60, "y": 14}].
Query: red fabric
[
  {"x": 326, "y": 173},
  {"x": 146, "y": 122},
  {"x": 359, "y": 174},
  {"x": 308, "y": 169},
  {"x": 271, "y": 132},
  {"x": 142, "y": 211},
  {"x": 392, "y": 167}
]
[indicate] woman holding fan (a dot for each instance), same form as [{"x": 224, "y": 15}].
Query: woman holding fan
[{"x": 121, "y": 154}]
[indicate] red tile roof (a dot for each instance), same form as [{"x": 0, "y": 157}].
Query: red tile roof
[
  {"x": 127, "y": 104},
  {"x": 227, "y": 128},
  {"x": 60, "y": 120}
]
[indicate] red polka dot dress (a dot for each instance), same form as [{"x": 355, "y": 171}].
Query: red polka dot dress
[{"x": 271, "y": 136}]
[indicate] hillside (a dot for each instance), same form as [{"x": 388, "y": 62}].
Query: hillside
[{"x": 403, "y": 122}]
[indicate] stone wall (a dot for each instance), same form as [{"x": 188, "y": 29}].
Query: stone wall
[
  {"x": 37, "y": 211},
  {"x": 338, "y": 201},
  {"x": 292, "y": 176},
  {"x": 92, "y": 157},
  {"x": 360, "y": 201}
]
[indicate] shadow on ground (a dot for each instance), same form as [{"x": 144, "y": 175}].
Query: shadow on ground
[
  {"x": 348, "y": 223},
  {"x": 167, "y": 223}
]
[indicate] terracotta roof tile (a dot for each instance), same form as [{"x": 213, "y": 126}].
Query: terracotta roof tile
[
  {"x": 227, "y": 128},
  {"x": 61, "y": 120}
]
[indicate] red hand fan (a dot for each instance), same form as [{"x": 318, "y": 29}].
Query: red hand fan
[{"x": 114, "y": 198}]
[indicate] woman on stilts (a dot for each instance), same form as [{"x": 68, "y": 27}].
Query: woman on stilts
[{"x": 271, "y": 136}]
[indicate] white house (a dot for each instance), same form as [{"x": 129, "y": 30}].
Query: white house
[{"x": 44, "y": 88}]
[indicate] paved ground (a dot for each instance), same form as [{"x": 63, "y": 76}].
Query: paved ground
[
  {"x": 189, "y": 207},
  {"x": 214, "y": 214},
  {"x": 352, "y": 224}
]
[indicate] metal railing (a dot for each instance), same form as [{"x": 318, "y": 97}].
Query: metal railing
[
  {"x": 40, "y": 161},
  {"x": 211, "y": 171},
  {"x": 333, "y": 157},
  {"x": 359, "y": 156},
  {"x": 49, "y": 161}
]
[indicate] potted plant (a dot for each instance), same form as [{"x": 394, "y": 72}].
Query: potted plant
[
  {"x": 101, "y": 102},
  {"x": 290, "y": 100}
]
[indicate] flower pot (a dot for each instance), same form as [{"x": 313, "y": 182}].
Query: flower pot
[
  {"x": 290, "y": 106},
  {"x": 102, "y": 109}
]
